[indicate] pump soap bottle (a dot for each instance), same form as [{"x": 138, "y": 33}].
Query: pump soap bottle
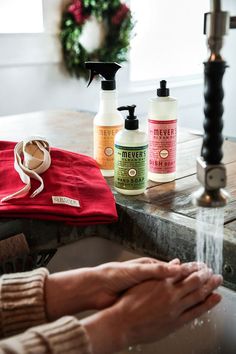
[
  {"x": 162, "y": 132},
  {"x": 131, "y": 156},
  {"x": 108, "y": 121}
]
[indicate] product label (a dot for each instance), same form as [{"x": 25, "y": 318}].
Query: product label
[
  {"x": 66, "y": 201},
  {"x": 104, "y": 145},
  {"x": 130, "y": 167},
  {"x": 162, "y": 146}
]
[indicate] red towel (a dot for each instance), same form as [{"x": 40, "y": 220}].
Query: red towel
[{"x": 72, "y": 179}]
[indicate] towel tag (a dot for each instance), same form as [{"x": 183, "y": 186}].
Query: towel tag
[{"x": 66, "y": 201}]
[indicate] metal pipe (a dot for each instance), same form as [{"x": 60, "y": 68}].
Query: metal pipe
[
  {"x": 215, "y": 5},
  {"x": 216, "y": 26}
]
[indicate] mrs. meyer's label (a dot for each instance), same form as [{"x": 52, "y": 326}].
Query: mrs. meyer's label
[
  {"x": 162, "y": 145},
  {"x": 104, "y": 145},
  {"x": 130, "y": 167}
]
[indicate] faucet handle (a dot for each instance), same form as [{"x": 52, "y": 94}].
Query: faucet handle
[{"x": 213, "y": 110}]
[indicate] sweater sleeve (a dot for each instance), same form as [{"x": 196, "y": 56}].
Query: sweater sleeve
[
  {"x": 22, "y": 301},
  {"x": 22, "y": 308},
  {"x": 65, "y": 335}
]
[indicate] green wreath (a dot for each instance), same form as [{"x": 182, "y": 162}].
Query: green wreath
[{"x": 115, "y": 20}]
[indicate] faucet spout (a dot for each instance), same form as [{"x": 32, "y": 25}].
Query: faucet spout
[{"x": 213, "y": 180}]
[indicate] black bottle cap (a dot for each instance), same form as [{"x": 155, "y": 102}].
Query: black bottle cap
[
  {"x": 131, "y": 121},
  {"x": 108, "y": 85},
  {"x": 163, "y": 91}
]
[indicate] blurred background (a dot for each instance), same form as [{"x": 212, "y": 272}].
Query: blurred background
[{"x": 168, "y": 43}]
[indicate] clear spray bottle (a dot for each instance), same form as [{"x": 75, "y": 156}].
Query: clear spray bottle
[{"x": 108, "y": 121}]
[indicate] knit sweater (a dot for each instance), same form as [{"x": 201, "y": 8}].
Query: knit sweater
[{"x": 24, "y": 323}]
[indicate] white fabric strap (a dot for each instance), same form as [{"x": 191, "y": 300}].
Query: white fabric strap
[{"x": 36, "y": 160}]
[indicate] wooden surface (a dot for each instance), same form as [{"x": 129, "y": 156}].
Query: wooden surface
[{"x": 161, "y": 221}]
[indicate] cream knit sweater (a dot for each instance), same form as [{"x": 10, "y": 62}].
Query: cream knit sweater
[{"x": 23, "y": 319}]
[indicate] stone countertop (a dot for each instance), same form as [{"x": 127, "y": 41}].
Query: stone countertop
[{"x": 160, "y": 223}]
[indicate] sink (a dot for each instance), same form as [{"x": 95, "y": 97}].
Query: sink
[{"x": 213, "y": 333}]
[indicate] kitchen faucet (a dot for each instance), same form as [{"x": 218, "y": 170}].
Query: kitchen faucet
[{"x": 211, "y": 173}]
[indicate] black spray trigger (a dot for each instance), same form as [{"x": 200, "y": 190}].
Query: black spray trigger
[
  {"x": 107, "y": 70},
  {"x": 91, "y": 76}
]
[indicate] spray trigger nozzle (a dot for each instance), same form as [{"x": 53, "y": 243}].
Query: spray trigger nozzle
[
  {"x": 107, "y": 70},
  {"x": 92, "y": 74}
]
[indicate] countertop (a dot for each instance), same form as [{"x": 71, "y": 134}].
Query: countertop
[{"x": 160, "y": 223}]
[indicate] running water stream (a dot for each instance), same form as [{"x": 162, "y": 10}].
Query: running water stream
[{"x": 210, "y": 233}]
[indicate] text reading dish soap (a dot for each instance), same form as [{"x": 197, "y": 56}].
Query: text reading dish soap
[
  {"x": 162, "y": 131},
  {"x": 131, "y": 156},
  {"x": 108, "y": 121}
]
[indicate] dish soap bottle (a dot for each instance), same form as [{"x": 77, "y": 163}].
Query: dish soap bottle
[
  {"x": 131, "y": 156},
  {"x": 108, "y": 121},
  {"x": 162, "y": 133}
]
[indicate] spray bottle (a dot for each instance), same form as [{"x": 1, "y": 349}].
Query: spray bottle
[
  {"x": 131, "y": 157},
  {"x": 162, "y": 129},
  {"x": 108, "y": 121}
]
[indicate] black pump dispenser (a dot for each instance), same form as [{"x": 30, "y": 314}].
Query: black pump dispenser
[
  {"x": 163, "y": 91},
  {"x": 107, "y": 70},
  {"x": 131, "y": 121}
]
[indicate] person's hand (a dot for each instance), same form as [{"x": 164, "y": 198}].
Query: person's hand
[
  {"x": 173, "y": 303},
  {"x": 115, "y": 277},
  {"x": 70, "y": 292},
  {"x": 151, "y": 310}
]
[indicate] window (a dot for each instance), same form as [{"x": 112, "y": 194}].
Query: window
[
  {"x": 21, "y": 16},
  {"x": 169, "y": 39}
]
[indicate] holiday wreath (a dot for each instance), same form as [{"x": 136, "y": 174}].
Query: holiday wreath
[{"x": 96, "y": 30}]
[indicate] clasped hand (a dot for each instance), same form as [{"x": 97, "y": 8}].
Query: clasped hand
[{"x": 139, "y": 301}]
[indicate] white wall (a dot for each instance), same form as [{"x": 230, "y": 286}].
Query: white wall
[
  {"x": 31, "y": 72},
  {"x": 33, "y": 78},
  {"x": 230, "y": 76}
]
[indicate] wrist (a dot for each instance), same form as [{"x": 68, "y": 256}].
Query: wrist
[
  {"x": 70, "y": 292},
  {"x": 106, "y": 331}
]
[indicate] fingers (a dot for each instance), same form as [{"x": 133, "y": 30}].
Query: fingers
[
  {"x": 200, "y": 309},
  {"x": 194, "y": 281},
  {"x": 145, "y": 268},
  {"x": 188, "y": 268},
  {"x": 142, "y": 272},
  {"x": 143, "y": 260},
  {"x": 174, "y": 261},
  {"x": 202, "y": 292}
]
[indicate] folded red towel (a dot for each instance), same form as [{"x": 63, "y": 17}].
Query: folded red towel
[{"x": 75, "y": 190}]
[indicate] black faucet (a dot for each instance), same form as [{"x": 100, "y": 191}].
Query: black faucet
[{"x": 211, "y": 173}]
